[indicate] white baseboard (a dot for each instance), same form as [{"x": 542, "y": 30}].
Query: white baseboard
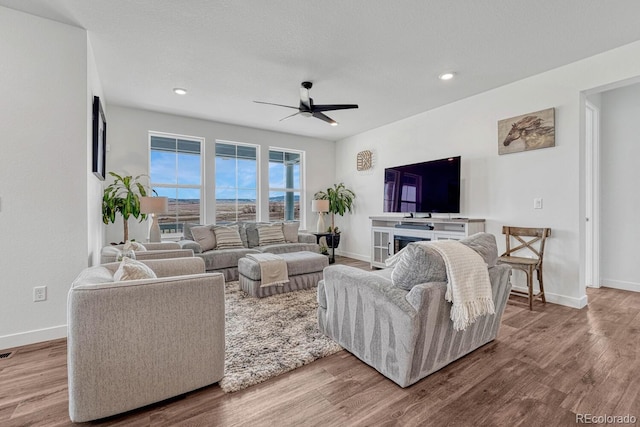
[
  {"x": 620, "y": 284},
  {"x": 32, "y": 337},
  {"x": 354, "y": 256},
  {"x": 572, "y": 302}
]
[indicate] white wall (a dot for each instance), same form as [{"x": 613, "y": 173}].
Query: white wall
[
  {"x": 619, "y": 200},
  {"x": 43, "y": 176},
  {"x": 127, "y": 135},
  {"x": 500, "y": 189},
  {"x": 95, "y": 230}
]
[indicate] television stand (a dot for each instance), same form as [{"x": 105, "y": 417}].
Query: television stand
[{"x": 389, "y": 232}]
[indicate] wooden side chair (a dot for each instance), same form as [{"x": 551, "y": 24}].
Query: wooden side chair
[{"x": 526, "y": 238}]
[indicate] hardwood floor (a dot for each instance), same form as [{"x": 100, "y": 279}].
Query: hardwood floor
[{"x": 545, "y": 367}]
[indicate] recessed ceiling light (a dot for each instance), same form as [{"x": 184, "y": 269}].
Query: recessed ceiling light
[
  {"x": 446, "y": 76},
  {"x": 334, "y": 123},
  {"x": 180, "y": 91}
]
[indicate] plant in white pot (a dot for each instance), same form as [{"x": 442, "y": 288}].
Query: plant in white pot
[
  {"x": 340, "y": 202},
  {"x": 123, "y": 197}
]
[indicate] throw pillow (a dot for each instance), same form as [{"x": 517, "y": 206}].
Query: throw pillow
[
  {"x": 252, "y": 233},
  {"x": 130, "y": 269},
  {"x": 415, "y": 264},
  {"x": 290, "y": 231},
  {"x": 242, "y": 229},
  {"x": 485, "y": 245},
  {"x": 186, "y": 230},
  {"x": 93, "y": 276},
  {"x": 133, "y": 246},
  {"x": 270, "y": 234},
  {"x": 204, "y": 236},
  {"x": 227, "y": 237}
]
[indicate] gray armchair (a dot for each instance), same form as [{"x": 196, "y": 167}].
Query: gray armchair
[
  {"x": 137, "y": 342},
  {"x": 404, "y": 334}
]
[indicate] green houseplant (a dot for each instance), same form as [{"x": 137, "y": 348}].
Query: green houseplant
[
  {"x": 123, "y": 197},
  {"x": 340, "y": 202}
]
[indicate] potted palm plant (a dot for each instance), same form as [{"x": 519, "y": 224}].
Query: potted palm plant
[
  {"x": 340, "y": 202},
  {"x": 123, "y": 197}
]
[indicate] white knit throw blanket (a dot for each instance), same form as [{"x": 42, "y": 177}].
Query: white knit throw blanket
[
  {"x": 468, "y": 288},
  {"x": 273, "y": 269}
]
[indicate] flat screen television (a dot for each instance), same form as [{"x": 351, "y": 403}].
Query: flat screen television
[{"x": 427, "y": 187}]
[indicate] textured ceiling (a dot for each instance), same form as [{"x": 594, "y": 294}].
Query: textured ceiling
[{"x": 383, "y": 55}]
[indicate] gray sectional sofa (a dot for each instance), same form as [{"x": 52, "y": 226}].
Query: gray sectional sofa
[{"x": 226, "y": 260}]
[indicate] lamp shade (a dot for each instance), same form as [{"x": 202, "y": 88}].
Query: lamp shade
[
  {"x": 154, "y": 205},
  {"x": 319, "y": 206}
]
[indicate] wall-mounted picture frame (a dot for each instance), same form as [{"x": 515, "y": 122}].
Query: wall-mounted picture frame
[
  {"x": 99, "y": 140},
  {"x": 527, "y": 132},
  {"x": 364, "y": 160}
]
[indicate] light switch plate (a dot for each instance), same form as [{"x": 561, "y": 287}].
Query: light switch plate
[{"x": 537, "y": 203}]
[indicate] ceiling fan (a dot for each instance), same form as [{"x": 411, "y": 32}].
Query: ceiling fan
[{"x": 308, "y": 109}]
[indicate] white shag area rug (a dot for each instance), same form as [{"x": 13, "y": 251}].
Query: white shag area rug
[{"x": 266, "y": 337}]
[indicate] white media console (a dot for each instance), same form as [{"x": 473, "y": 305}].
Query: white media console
[{"x": 389, "y": 233}]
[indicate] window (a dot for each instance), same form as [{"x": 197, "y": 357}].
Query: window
[
  {"x": 236, "y": 182},
  {"x": 285, "y": 185},
  {"x": 175, "y": 172}
]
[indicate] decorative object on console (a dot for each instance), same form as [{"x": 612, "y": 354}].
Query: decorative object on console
[
  {"x": 99, "y": 140},
  {"x": 527, "y": 132},
  {"x": 123, "y": 196},
  {"x": 154, "y": 206},
  {"x": 321, "y": 207},
  {"x": 364, "y": 160}
]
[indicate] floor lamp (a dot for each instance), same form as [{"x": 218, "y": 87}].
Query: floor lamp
[
  {"x": 321, "y": 207},
  {"x": 154, "y": 206}
]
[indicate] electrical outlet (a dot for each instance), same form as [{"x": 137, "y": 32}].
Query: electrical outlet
[
  {"x": 39, "y": 293},
  {"x": 537, "y": 203}
]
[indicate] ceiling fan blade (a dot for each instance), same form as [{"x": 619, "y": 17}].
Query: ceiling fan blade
[
  {"x": 304, "y": 97},
  {"x": 288, "y": 117},
  {"x": 327, "y": 119},
  {"x": 271, "y": 103},
  {"x": 331, "y": 107}
]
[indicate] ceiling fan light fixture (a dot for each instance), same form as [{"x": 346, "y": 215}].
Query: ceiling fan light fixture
[
  {"x": 179, "y": 91},
  {"x": 446, "y": 76},
  {"x": 308, "y": 109}
]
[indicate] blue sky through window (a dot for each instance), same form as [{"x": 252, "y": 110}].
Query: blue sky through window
[
  {"x": 235, "y": 178},
  {"x": 175, "y": 168}
]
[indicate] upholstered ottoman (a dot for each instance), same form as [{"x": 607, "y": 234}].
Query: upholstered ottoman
[{"x": 304, "y": 268}]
